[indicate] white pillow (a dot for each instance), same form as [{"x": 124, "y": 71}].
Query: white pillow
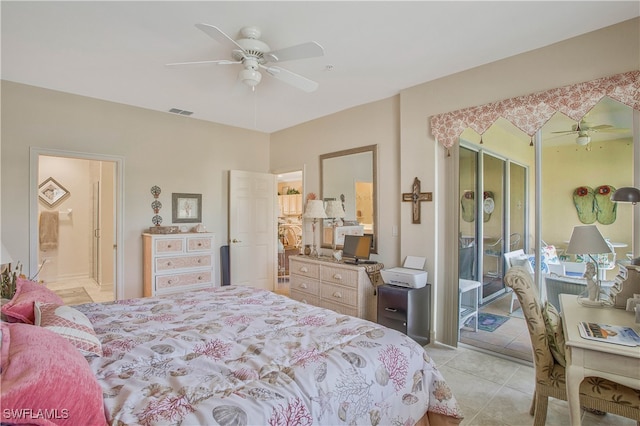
[{"x": 69, "y": 323}]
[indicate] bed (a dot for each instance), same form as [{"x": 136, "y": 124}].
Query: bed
[{"x": 242, "y": 356}]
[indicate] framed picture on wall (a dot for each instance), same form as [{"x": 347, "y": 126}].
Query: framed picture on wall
[
  {"x": 51, "y": 193},
  {"x": 186, "y": 208}
]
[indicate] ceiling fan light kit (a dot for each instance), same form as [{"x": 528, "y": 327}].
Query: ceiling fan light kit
[
  {"x": 583, "y": 139},
  {"x": 253, "y": 54}
]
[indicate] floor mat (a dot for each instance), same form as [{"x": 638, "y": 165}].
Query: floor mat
[
  {"x": 74, "y": 296},
  {"x": 489, "y": 322}
]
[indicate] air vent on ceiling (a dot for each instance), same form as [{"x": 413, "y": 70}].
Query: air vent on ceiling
[{"x": 180, "y": 111}]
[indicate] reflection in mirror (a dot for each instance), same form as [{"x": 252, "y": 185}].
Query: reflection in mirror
[{"x": 350, "y": 177}]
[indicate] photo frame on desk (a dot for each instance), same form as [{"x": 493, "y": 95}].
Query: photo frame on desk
[
  {"x": 51, "y": 193},
  {"x": 186, "y": 208}
]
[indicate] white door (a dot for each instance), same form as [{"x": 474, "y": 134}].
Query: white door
[{"x": 252, "y": 228}]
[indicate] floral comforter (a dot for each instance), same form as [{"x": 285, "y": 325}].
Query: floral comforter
[{"x": 242, "y": 356}]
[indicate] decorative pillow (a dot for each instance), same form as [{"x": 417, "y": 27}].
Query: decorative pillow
[
  {"x": 45, "y": 380},
  {"x": 71, "y": 324},
  {"x": 555, "y": 334},
  {"x": 20, "y": 308},
  {"x": 550, "y": 254}
]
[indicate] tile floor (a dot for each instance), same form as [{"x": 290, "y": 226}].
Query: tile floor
[
  {"x": 511, "y": 338},
  {"x": 96, "y": 292},
  {"x": 497, "y": 391}
]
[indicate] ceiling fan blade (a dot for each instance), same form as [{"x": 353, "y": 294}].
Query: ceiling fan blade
[
  {"x": 600, "y": 127},
  {"x": 219, "y": 62},
  {"x": 566, "y": 132},
  {"x": 301, "y": 51},
  {"x": 219, "y": 36},
  {"x": 613, "y": 130},
  {"x": 291, "y": 78}
]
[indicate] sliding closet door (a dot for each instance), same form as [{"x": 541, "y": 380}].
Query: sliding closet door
[{"x": 493, "y": 224}]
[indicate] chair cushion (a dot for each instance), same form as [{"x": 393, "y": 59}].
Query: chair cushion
[
  {"x": 555, "y": 335},
  {"x": 522, "y": 261}
]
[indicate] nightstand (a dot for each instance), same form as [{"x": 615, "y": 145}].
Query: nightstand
[{"x": 407, "y": 310}]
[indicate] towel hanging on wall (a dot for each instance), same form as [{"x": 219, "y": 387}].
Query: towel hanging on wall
[{"x": 48, "y": 230}]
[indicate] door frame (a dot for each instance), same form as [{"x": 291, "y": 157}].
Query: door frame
[{"x": 34, "y": 155}]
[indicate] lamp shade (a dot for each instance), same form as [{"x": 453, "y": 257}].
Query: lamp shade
[
  {"x": 334, "y": 209},
  {"x": 314, "y": 210},
  {"x": 626, "y": 195},
  {"x": 587, "y": 239}
]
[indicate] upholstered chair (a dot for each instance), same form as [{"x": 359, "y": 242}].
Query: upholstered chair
[{"x": 547, "y": 343}]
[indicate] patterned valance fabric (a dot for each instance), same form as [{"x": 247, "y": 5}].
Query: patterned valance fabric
[{"x": 530, "y": 112}]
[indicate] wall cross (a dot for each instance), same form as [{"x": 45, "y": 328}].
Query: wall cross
[{"x": 416, "y": 197}]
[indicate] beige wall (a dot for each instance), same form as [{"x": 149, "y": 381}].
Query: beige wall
[
  {"x": 179, "y": 154},
  {"x": 560, "y": 64},
  {"x": 185, "y": 155},
  {"x": 407, "y": 149},
  {"x": 376, "y": 123}
]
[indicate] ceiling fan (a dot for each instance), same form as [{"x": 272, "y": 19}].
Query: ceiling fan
[
  {"x": 254, "y": 55},
  {"x": 584, "y": 129}
]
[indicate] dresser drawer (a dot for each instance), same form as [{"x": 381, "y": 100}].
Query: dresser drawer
[
  {"x": 305, "y": 285},
  {"x": 181, "y": 262},
  {"x": 164, "y": 282},
  {"x": 310, "y": 270},
  {"x": 169, "y": 245},
  {"x": 304, "y": 297},
  {"x": 342, "y": 276},
  {"x": 341, "y": 309},
  {"x": 199, "y": 244},
  {"x": 336, "y": 294}
]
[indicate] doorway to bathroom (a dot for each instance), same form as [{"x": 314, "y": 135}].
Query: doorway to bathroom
[{"x": 74, "y": 221}]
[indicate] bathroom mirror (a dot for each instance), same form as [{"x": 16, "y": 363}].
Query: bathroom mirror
[{"x": 349, "y": 176}]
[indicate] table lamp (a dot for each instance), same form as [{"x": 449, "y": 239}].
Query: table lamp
[
  {"x": 587, "y": 239},
  {"x": 314, "y": 210},
  {"x": 626, "y": 195},
  {"x": 334, "y": 211}
]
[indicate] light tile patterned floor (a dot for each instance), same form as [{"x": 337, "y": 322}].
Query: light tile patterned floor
[
  {"x": 98, "y": 293},
  {"x": 497, "y": 391},
  {"x": 511, "y": 338}
]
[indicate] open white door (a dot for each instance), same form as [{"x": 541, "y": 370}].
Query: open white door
[{"x": 252, "y": 228}]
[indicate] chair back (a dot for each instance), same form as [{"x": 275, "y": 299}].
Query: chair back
[{"x": 520, "y": 280}]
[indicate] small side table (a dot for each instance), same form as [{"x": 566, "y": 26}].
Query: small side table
[{"x": 468, "y": 301}]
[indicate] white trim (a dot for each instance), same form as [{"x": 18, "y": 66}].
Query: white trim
[{"x": 34, "y": 154}]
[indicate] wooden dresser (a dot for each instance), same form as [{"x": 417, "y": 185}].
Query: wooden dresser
[
  {"x": 177, "y": 262},
  {"x": 327, "y": 283}
]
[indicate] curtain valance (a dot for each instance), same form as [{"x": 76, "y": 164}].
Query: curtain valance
[{"x": 530, "y": 112}]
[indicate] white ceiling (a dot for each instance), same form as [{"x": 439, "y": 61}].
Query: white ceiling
[{"x": 117, "y": 50}]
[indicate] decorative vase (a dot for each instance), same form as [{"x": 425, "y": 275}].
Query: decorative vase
[{"x": 307, "y": 249}]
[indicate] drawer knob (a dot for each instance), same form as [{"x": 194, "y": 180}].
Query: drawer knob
[
  {"x": 337, "y": 276},
  {"x": 199, "y": 244},
  {"x": 337, "y": 294},
  {"x": 391, "y": 309},
  {"x": 303, "y": 285},
  {"x": 170, "y": 282},
  {"x": 304, "y": 269},
  {"x": 199, "y": 260},
  {"x": 199, "y": 278},
  {"x": 168, "y": 263},
  {"x": 168, "y": 245}
]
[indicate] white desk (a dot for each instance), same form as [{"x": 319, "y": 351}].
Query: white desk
[
  {"x": 587, "y": 358},
  {"x": 468, "y": 296}
]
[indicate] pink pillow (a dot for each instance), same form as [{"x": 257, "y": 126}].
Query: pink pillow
[
  {"x": 71, "y": 324},
  {"x": 20, "y": 308},
  {"x": 45, "y": 380}
]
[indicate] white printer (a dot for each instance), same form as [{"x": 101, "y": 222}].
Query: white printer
[{"x": 411, "y": 274}]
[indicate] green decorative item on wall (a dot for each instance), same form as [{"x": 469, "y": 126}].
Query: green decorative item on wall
[
  {"x": 584, "y": 200},
  {"x": 592, "y": 205},
  {"x": 606, "y": 209}
]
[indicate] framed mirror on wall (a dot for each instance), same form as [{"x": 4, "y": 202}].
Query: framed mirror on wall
[{"x": 348, "y": 179}]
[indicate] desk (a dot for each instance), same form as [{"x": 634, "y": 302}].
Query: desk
[
  {"x": 586, "y": 358},
  {"x": 468, "y": 301}
]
